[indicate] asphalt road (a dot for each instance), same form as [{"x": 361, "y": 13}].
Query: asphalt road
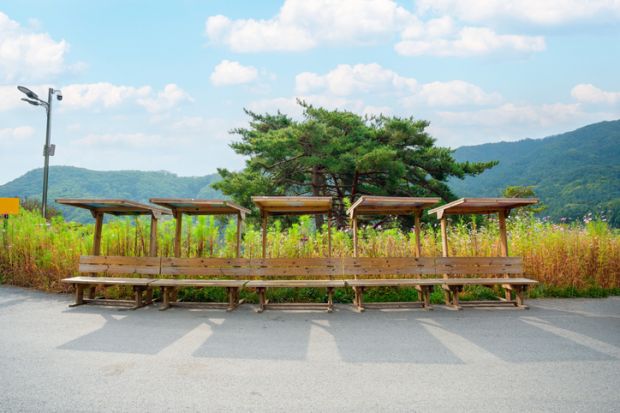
[{"x": 561, "y": 355}]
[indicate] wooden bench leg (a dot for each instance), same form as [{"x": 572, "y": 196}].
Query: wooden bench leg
[
  {"x": 508, "y": 294},
  {"x": 330, "y": 299},
  {"x": 79, "y": 295},
  {"x": 232, "y": 298},
  {"x": 359, "y": 298},
  {"x": 451, "y": 293},
  {"x": 427, "y": 297},
  {"x": 165, "y": 295},
  {"x": 520, "y": 293},
  {"x": 138, "y": 297},
  {"x": 92, "y": 291},
  {"x": 149, "y": 295},
  {"x": 262, "y": 302}
]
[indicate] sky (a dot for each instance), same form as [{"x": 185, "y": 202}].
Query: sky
[{"x": 155, "y": 85}]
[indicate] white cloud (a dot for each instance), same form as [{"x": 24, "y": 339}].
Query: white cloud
[
  {"x": 25, "y": 55},
  {"x": 10, "y": 98},
  {"x": 88, "y": 95},
  {"x": 361, "y": 78},
  {"x": 453, "y": 93},
  {"x": 302, "y": 25},
  {"x": 468, "y": 41},
  {"x": 588, "y": 93},
  {"x": 541, "y": 12},
  {"x": 167, "y": 99},
  {"x": 232, "y": 73},
  {"x": 11, "y": 135},
  {"x": 347, "y": 80},
  {"x": 511, "y": 114}
]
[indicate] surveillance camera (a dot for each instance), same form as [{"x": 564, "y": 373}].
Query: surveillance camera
[{"x": 58, "y": 94}]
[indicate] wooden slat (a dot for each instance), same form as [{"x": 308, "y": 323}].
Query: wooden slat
[
  {"x": 208, "y": 271},
  {"x": 110, "y": 259},
  {"x": 489, "y": 281},
  {"x": 388, "y": 266},
  {"x": 197, "y": 283},
  {"x": 204, "y": 262},
  {"x": 133, "y": 269},
  {"x": 295, "y": 283},
  {"x": 108, "y": 281},
  {"x": 394, "y": 282},
  {"x": 479, "y": 265}
]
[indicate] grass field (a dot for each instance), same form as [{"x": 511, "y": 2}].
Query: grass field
[{"x": 568, "y": 260}]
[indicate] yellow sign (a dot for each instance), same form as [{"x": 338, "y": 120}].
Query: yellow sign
[{"x": 9, "y": 206}]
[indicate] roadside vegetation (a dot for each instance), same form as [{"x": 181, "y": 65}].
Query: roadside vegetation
[{"x": 569, "y": 260}]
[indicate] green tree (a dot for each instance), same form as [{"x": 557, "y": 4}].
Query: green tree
[
  {"x": 524, "y": 192},
  {"x": 342, "y": 155}
]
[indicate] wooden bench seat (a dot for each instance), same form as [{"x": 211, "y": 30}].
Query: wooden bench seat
[
  {"x": 235, "y": 268},
  {"x": 316, "y": 273},
  {"x": 484, "y": 265},
  {"x": 108, "y": 265},
  {"x": 390, "y": 267}
]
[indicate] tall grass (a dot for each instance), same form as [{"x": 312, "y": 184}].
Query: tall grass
[{"x": 37, "y": 254}]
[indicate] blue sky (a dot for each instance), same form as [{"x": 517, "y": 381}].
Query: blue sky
[{"x": 158, "y": 85}]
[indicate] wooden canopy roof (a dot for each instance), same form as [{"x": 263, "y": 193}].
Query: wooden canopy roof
[
  {"x": 293, "y": 205},
  {"x": 389, "y": 205},
  {"x": 201, "y": 206},
  {"x": 481, "y": 206},
  {"x": 114, "y": 206}
]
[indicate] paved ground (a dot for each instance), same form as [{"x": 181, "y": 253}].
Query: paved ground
[{"x": 562, "y": 355}]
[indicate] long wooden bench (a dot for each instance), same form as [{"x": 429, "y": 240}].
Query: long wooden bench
[
  {"x": 505, "y": 266},
  {"x": 110, "y": 265},
  {"x": 317, "y": 273},
  {"x": 202, "y": 267},
  {"x": 390, "y": 267}
]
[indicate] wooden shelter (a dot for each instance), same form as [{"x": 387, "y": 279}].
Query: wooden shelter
[
  {"x": 201, "y": 207},
  {"x": 390, "y": 205},
  {"x": 293, "y": 205},
  {"x": 480, "y": 206},
  {"x": 99, "y": 207}
]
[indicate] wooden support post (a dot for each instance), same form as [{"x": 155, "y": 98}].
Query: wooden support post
[
  {"x": 264, "y": 225},
  {"x": 178, "y": 231},
  {"x": 138, "y": 294},
  {"x": 503, "y": 237},
  {"x": 239, "y": 235},
  {"x": 98, "y": 228},
  {"x": 166, "y": 299},
  {"x": 359, "y": 298},
  {"x": 354, "y": 225},
  {"x": 330, "y": 299},
  {"x": 329, "y": 234},
  {"x": 149, "y": 295},
  {"x": 153, "y": 243},
  {"x": 418, "y": 241},
  {"x": 520, "y": 294},
  {"x": 231, "y": 298},
  {"x": 444, "y": 236}
]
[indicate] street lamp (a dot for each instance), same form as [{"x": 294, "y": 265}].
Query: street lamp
[{"x": 48, "y": 150}]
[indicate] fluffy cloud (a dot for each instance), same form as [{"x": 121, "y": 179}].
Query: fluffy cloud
[
  {"x": 25, "y": 55},
  {"x": 88, "y": 95},
  {"x": 542, "y": 12},
  {"x": 440, "y": 37},
  {"x": 453, "y": 93},
  {"x": 361, "y": 78},
  {"x": 302, "y": 25},
  {"x": 10, "y": 135},
  {"x": 171, "y": 96},
  {"x": 232, "y": 73},
  {"x": 347, "y": 80},
  {"x": 588, "y": 93}
]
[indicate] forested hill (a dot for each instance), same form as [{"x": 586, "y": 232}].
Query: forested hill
[
  {"x": 573, "y": 173},
  {"x": 71, "y": 182}
]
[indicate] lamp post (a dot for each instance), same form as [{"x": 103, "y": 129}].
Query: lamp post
[{"x": 48, "y": 150}]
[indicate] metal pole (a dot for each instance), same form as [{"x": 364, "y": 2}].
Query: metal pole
[{"x": 46, "y": 151}]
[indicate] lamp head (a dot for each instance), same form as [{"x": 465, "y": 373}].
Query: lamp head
[{"x": 28, "y": 92}]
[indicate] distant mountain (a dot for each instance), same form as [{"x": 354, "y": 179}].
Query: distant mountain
[
  {"x": 574, "y": 173},
  {"x": 71, "y": 182}
]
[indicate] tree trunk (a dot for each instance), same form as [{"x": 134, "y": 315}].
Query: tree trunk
[{"x": 317, "y": 181}]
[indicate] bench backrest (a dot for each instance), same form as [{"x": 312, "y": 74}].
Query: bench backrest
[
  {"x": 300, "y": 267},
  {"x": 119, "y": 265},
  {"x": 479, "y": 265}
]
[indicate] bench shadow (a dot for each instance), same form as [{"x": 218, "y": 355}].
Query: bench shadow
[
  {"x": 507, "y": 335},
  {"x": 143, "y": 331}
]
